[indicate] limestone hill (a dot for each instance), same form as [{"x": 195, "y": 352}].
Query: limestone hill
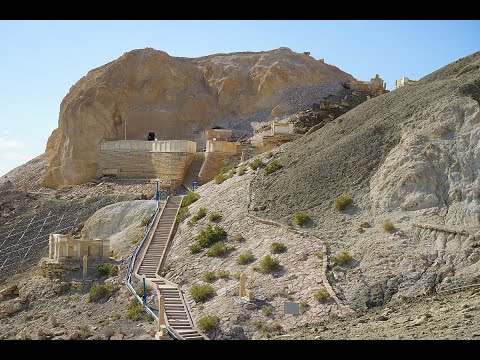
[
  {"x": 148, "y": 90},
  {"x": 408, "y": 160},
  {"x": 410, "y": 156}
]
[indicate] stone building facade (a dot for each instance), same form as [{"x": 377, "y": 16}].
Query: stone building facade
[
  {"x": 374, "y": 84},
  {"x": 66, "y": 247},
  {"x": 403, "y": 81}
]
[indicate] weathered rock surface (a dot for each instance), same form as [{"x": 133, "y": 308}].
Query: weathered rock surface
[
  {"x": 121, "y": 223},
  {"x": 152, "y": 91},
  {"x": 411, "y": 156}
]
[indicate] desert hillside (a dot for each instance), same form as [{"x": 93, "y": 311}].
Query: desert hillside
[
  {"x": 149, "y": 90},
  {"x": 410, "y": 156},
  {"x": 370, "y": 221}
]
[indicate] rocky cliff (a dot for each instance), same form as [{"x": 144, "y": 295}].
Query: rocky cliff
[{"x": 148, "y": 90}]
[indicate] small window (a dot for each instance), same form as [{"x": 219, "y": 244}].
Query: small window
[{"x": 151, "y": 136}]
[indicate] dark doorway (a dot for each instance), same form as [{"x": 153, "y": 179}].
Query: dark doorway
[{"x": 151, "y": 136}]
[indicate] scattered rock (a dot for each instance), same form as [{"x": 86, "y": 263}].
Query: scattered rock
[
  {"x": 53, "y": 320},
  {"x": 22, "y": 335},
  {"x": 108, "y": 331},
  {"x": 117, "y": 337},
  {"x": 420, "y": 321},
  {"x": 12, "y": 290},
  {"x": 44, "y": 334},
  {"x": 59, "y": 332},
  {"x": 74, "y": 336}
]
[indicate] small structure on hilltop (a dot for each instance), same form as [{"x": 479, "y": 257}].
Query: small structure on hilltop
[
  {"x": 375, "y": 84},
  {"x": 218, "y": 134},
  {"x": 280, "y": 133},
  {"x": 221, "y": 146},
  {"x": 66, "y": 247},
  {"x": 403, "y": 81},
  {"x": 281, "y": 128}
]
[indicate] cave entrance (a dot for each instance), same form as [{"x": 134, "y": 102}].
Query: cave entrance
[{"x": 151, "y": 136}]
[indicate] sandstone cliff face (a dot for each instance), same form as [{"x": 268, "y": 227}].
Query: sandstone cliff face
[{"x": 148, "y": 90}]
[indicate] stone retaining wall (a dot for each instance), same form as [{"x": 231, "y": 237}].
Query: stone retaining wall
[
  {"x": 169, "y": 167},
  {"x": 214, "y": 161}
]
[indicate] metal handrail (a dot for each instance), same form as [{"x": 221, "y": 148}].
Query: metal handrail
[{"x": 131, "y": 266}]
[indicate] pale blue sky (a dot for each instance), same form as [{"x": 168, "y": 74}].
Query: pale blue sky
[{"x": 41, "y": 60}]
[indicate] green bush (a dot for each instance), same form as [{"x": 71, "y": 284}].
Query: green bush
[
  {"x": 285, "y": 294},
  {"x": 330, "y": 276},
  {"x": 266, "y": 329},
  {"x": 225, "y": 169},
  {"x": 321, "y": 295},
  {"x": 182, "y": 214},
  {"x": 214, "y": 216},
  {"x": 272, "y": 167},
  {"x": 144, "y": 221},
  {"x": 388, "y": 225},
  {"x": 300, "y": 218},
  {"x": 223, "y": 274},
  {"x": 267, "y": 310},
  {"x": 211, "y": 235},
  {"x": 236, "y": 276},
  {"x": 201, "y": 292},
  {"x": 139, "y": 289},
  {"x": 255, "y": 164},
  {"x": 241, "y": 170},
  {"x": 190, "y": 198},
  {"x": 341, "y": 258},
  {"x": 99, "y": 292},
  {"x": 268, "y": 264},
  {"x": 136, "y": 239},
  {"x": 277, "y": 248},
  {"x": 269, "y": 155},
  {"x": 164, "y": 269},
  {"x": 238, "y": 238},
  {"x": 341, "y": 202},
  {"x": 303, "y": 306},
  {"x": 200, "y": 214},
  {"x": 208, "y": 323},
  {"x": 319, "y": 254},
  {"x": 245, "y": 258},
  {"x": 219, "y": 249},
  {"x": 85, "y": 332},
  {"x": 220, "y": 178},
  {"x": 134, "y": 310},
  {"x": 195, "y": 248},
  {"x": 107, "y": 270},
  {"x": 209, "y": 276}
]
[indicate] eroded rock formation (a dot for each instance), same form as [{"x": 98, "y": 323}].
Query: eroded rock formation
[{"x": 149, "y": 90}]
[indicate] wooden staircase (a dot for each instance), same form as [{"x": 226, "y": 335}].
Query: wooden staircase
[{"x": 177, "y": 316}]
